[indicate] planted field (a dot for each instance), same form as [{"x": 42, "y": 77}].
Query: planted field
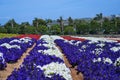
[
  {"x": 35, "y": 57},
  {"x": 7, "y": 35}
]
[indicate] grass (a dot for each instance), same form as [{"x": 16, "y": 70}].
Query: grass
[{"x": 2, "y": 35}]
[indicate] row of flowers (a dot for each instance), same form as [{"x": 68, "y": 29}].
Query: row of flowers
[
  {"x": 45, "y": 62},
  {"x": 34, "y": 36},
  {"x": 96, "y": 58},
  {"x": 11, "y": 49},
  {"x": 73, "y": 38}
]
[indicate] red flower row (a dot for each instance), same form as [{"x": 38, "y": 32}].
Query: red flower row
[
  {"x": 35, "y": 36},
  {"x": 73, "y": 38}
]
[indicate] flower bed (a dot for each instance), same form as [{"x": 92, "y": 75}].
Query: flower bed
[
  {"x": 73, "y": 38},
  {"x": 34, "y": 36},
  {"x": 96, "y": 59},
  {"x": 45, "y": 62},
  {"x": 11, "y": 49}
]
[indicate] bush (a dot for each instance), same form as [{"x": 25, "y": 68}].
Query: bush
[
  {"x": 42, "y": 30},
  {"x": 3, "y": 30},
  {"x": 55, "y": 29},
  {"x": 69, "y": 30}
]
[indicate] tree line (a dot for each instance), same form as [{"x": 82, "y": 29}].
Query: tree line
[{"x": 96, "y": 25}]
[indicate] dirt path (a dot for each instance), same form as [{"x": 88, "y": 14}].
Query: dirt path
[
  {"x": 11, "y": 67},
  {"x": 74, "y": 74}
]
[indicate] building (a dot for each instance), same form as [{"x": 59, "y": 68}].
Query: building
[{"x": 54, "y": 22}]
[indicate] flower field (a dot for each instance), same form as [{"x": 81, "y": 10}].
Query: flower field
[{"x": 60, "y": 58}]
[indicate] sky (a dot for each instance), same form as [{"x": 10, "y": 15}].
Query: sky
[{"x": 27, "y": 10}]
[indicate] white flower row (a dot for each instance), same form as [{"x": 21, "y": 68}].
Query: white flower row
[
  {"x": 53, "y": 50},
  {"x": 56, "y": 68},
  {"x": 15, "y": 40},
  {"x": 71, "y": 42},
  {"x": 96, "y": 39},
  {"x": 22, "y": 40},
  {"x": 7, "y": 45}
]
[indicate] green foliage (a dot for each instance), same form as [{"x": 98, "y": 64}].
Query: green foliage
[
  {"x": 94, "y": 27},
  {"x": 55, "y": 29},
  {"x": 14, "y": 30},
  {"x": 3, "y": 30},
  {"x": 48, "y": 21},
  {"x": 70, "y": 20},
  {"x": 29, "y": 30},
  {"x": 38, "y": 22},
  {"x": 82, "y": 27},
  {"x": 98, "y": 16},
  {"x": 69, "y": 30},
  {"x": 11, "y": 23},
  {"x": 97, "y": 25},
  {"x": 42, "y": 29},
  {"x": 60, "y": 20}
]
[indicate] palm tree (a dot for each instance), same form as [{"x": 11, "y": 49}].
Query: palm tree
[
  {"x": 70, "y": 20},
  {"x": 39, "y": 22},
  {"x": 36, "y": 22},
  {"x": 25, "y": 24},
  {"x": 11, "y": 23},
  {"x": 48, "y": 20},
  {"x": 99, "y": 18},
  {"x": 61, "y": 23}
]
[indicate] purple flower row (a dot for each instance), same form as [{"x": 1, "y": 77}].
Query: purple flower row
[
  {"x": 11, "y": 49},
  {"x": 29, "y": 69},
  {"x": 96, "y": 60}
]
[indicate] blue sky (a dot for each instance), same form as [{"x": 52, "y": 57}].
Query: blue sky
[{"x": 27, "y": 10}]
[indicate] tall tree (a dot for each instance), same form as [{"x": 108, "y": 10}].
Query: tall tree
[
  {"x": 35, "y": 22},
  {"x": 48, "y": 20},
  {"x": 60, "y": 20},
  {"x": 69, "y": 30},
  {"x": 99, "y": 18},
  {"x": 115, "y": 23},
  {"x": 11, "y": 26},
  {"x": 42, "y": 29},
  {"x": 107, "y": 26},
  {"x": 38, "y": 22},
  {"x": 11, "y": 23},
  {"x": 70, "y": 20},
  {"x": 93, "y": 29},
  {"x": 55, "y": 29},
  {"x": 25, "y": 24}
]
